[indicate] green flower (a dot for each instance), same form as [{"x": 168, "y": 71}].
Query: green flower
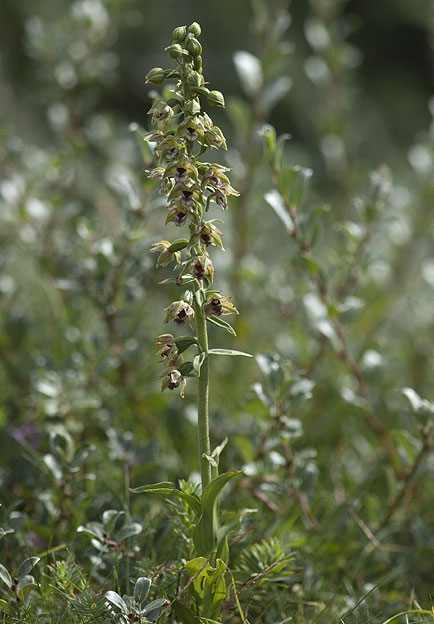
[
  {"x": 179, "y": 312},
  {"x": 166, "y": 256},
  {"x": 218, "y": 305},
  {"x": 173, "y": 379}
]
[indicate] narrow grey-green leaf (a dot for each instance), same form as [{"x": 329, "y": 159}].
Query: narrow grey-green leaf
[
  {"x": 216, "y": 320},
  {"x": 5, "y": 576},
  {"x": 274, "y": 199},
  {"x": 228, "y": 352},
  {"x": 153, "y": 609},
  {"x": 116, "y": 600},
  {"x": 249, "y": 71}
]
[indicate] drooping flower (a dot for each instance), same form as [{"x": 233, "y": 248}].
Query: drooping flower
[
  {"x": 173, "y": 379},
  {"x": 218, "y": 305},
  {"x": 166, "y": 256},
  {"x": 179, "y": 312}
]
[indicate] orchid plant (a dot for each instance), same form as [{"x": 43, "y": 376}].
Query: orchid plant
[{"x": 183, "y": 134}]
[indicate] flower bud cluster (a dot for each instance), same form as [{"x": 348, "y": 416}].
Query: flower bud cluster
[{"x": 183, "y": 133}]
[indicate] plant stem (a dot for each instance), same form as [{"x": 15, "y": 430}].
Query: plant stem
[{"x": 202, "y": 398}]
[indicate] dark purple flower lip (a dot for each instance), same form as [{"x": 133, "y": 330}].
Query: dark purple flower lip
[
  {"x": 187, "y": 196},
  {"x": 180, "y": 218},
  {"x": 191, "y": 133},
  {"x": 180, "y": 174},
  {"x": 216, "y": 307},
  {"x": 206, "y": 239},
  {"x": 180, "y": 317},
  {"x": 170, "y": 155}
]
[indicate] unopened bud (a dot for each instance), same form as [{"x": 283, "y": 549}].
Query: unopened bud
[
  {"x": 174, "y": 50},
  {"x": 194, "y": 47},
  {"x": 197, "y": 63},
  {"x": 156, "y": 75},
  {"x": 215, "y": 98},
  {"x": 195, "y": 29},
  {"x": 179, "y": 33},
  {"x": 195, "y": 79}
]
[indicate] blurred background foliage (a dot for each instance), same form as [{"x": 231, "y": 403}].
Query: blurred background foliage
[{"x": 337, "y": 457}]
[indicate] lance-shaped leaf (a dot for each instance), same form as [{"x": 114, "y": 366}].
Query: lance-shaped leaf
[
  {"x": 204, "y": 533},
  {"x": 209, "y": 588},
  {"x": 178, "y": 244},
  {"x": 167, "y": 488},
  {"x": 228, "y": 352},
  {"x": 274, "y": 199},
  {"x": 215, "y": 320},
  {"x": 5, "y": 576},
  {"x": 153, "y": 609}
]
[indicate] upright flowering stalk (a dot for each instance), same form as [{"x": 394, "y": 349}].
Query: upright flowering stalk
[{"x": 182, "y": 134}]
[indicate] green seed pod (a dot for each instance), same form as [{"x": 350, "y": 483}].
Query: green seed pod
[
  {"x": 174, "y": 50},
  {"x": 194, "y": 47},
  {"x": 195, "y": 29},
  {"x": 215, "y": 98},
  {"x": 192, "y": 107},
  {"x": 195, "y": 79},
  {"x": 197, "y": 63},
  {"x": 179, "y": 33},
  {"x": 155, "y": 75}
]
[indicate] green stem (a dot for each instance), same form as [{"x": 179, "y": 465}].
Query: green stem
[{"x": 202, "y": 398}]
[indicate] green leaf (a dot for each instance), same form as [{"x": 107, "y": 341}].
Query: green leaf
[
  {"x": 275, "y": 92},
  {"x": 5, "y": 576},
  {"x": 94, "y": 529},
  {"x": 187, "y": 369},
  {"x": 228, "y": 352},
  {"x": 25, "y": 581},
  {"x": 204, "y": 533},
  {"x": 26, "y": 566},
  {"x": 110, "y": 518},
  {"x": 168, "y": 488},
  {"x": 268, "y": 133},
  {"x": 417, "y": 403},
  {"x": 53, "y": 465},
  {"x": 184, "y": 614},
  {"x": 274, "y": 199},
  {"x": 129, "y": 530},
  {"x": 153, "y": 609},
  {"x": 249, "y": 71},
  {"x": 184, "y": 342},
  {"x": 141, "y": 590},
  {"x": 292, "y": 183},
  {"x": 178, "y": 244},
  {"x": 4, "y": 605},
  {"x": 198, "y": 361},
  {"x": 208, "y": 590},
  {"x": 216, "y": 320},
  {"x": 117, "y": 601}
]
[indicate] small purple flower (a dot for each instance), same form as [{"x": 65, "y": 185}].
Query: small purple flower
[
  {"x": 29, "y": 433},
  {"x": 34, "y": 541}
]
